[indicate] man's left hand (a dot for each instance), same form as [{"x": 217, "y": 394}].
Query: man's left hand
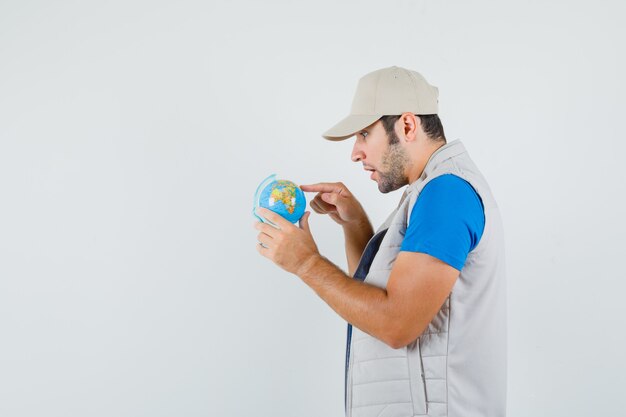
[{"x": 288, "y": 246}]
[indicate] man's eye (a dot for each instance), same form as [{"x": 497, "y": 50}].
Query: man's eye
[{"x": 364, "y": 134}]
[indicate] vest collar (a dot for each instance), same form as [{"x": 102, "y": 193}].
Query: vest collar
[{"x": 447, "y": 151}]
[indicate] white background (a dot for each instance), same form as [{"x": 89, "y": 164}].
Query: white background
[{"x": 134, "y": 133}]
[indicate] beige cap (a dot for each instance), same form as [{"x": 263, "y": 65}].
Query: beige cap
[{"x": 386, "y": 92}]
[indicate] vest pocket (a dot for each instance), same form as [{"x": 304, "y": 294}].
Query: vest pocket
[{"x": 416, "y": 378}]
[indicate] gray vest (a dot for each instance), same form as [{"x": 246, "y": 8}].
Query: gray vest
[{"x": 457, "y": 367}]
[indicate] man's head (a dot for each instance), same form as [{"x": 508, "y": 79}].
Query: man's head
[
  {"x": 396, "y": 148},
  {"x": 394, "y": 118}
]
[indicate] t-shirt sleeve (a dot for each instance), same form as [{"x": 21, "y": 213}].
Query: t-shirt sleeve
[{"x": 447, "y": 221}]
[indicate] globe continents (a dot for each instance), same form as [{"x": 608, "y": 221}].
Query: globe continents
[{"x": 282, "y": 197}]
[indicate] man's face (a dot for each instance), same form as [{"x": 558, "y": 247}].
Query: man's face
[{"x": 387, "y": 162}]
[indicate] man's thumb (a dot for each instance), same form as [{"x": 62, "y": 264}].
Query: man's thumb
[
  {"x": 330, "y": 198},
  {"x": 304, "y": 222}
]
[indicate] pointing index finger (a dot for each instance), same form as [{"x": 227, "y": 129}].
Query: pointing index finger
[{"x": 325, "y": 187}]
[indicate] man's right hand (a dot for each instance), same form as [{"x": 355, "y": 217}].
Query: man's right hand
[{"x": 336, "y": 200}]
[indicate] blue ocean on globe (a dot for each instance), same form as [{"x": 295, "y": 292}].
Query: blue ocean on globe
[{"x": 281, "y": 196}]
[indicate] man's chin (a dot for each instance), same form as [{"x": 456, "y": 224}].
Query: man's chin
[
  {"x": 384, "y": 189},
  {"x": 387, "y": 188}
]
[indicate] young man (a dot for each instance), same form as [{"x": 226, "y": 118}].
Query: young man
[{"x": 425, "y": 294}]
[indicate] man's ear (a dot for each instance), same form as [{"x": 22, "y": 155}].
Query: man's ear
[{"x": 410, "y": 125}]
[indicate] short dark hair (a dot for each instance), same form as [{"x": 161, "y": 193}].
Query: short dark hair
[{"x": 430, "y": 123}]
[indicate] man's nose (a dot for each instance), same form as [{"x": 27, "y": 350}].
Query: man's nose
[{"x": 357, "y": 153}]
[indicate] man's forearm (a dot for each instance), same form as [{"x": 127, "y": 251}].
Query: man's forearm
[
  {"x": 356, "y": 236},
  {"x": 363, "y": 305}
]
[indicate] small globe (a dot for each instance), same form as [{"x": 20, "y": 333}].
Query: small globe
[{"x": 282, "y": 197}]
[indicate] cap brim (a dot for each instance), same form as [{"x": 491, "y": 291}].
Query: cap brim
[{"x": 350, "y": 126}]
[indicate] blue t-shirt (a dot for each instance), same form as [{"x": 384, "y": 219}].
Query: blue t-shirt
[{"x": 447, "y": 221}]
